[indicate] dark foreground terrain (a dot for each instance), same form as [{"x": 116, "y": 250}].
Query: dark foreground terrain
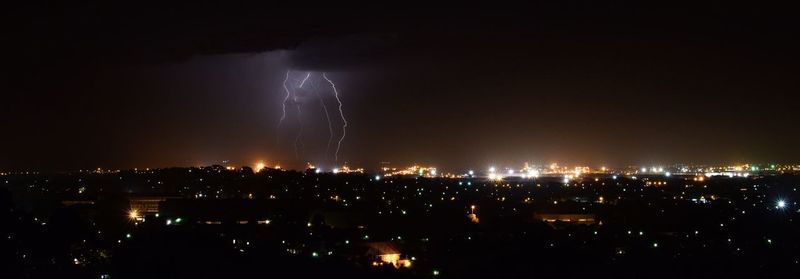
[{"x": 215, "y": 222}]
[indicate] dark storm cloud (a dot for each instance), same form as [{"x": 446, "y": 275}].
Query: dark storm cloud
[
  {"x": 587, "y": 83},
  {"x": 352, "y": 51}
]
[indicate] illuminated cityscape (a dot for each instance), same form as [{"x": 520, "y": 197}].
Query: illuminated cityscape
[
  {"x": 416, "y": 221},
  {"x": 547, "y": 140}
]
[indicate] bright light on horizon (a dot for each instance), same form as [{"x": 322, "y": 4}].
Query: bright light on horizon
[
  {"x": 260, "y": 166},
  {"x": 133, "y": 214}
]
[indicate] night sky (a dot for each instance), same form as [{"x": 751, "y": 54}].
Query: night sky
[{"x": 596, "y": 84}]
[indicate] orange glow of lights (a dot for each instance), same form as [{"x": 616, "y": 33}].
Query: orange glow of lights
[
  {"x": 394, "y": 260},
  {"x": 407, "y": 264},
  {"x": 390, "y": 258},
  {"x": 133, "y": 214},
  {"x": 260, "y": 166}
]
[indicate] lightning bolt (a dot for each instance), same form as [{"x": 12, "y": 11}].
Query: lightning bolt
[
  {"x": 315, "y": 89},
  {"x": 308, "y": 75},
  {"x": 299, "y": 118},
  {"x": 283, "y": 105},
  {"x": 341, "y": 113},
  {"x": 330, "y": 125}
]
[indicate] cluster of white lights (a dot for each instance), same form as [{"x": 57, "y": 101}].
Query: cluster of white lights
[
  {"x": 652, "y": 169},
  {"x": 728, "y": 174}
]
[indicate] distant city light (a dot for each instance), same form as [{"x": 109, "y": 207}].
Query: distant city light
[
  {"x": 133, "y": 214},
  {"x": 260, "y": 166},
  {"x": 580, "y": 200}
]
